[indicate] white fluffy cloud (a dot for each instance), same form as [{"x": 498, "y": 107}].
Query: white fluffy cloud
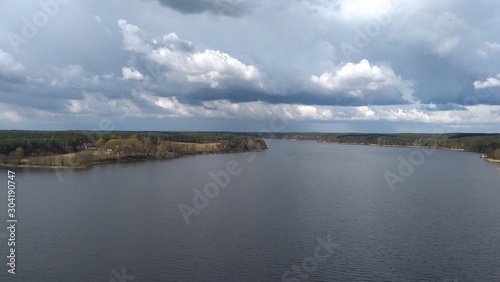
[
  {"x": 489, "y": 82},
  {"x": 356, "y": 79},
  {"x": 347, "y": 9},
  {"x": 284, "y": 58},
  {"x": 131, "y": 73},
  {"x": 172, "y": 107},
  {"x": 213, "y": 68},
  {"x": 248, "y": 110}
]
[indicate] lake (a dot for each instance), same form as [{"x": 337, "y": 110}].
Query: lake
[{"x": 301, "y": 211}]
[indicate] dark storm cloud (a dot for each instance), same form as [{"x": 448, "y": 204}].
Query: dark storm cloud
[
  {"x": 232, "y": 8},
  {"x": 11, "y": 78},
  {"x": 443, "y": 107},
  {"x": 386, "y": 97},
  {"x": 429, "y": 62},
  {"x": 391, "y": 97}
]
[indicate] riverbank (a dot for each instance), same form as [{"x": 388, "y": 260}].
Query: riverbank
[
  {"x": 120, "y": 159},
  {"x": 414, "y": 147},
  {"x": 482, "y": 143},
  {"x": 492, "y": 160},
  {"x": 78, "y": 149}
]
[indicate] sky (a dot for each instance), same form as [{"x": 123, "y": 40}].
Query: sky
[{"x": 251, "y": 65}]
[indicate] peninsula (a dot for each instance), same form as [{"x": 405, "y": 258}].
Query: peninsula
[{"x": 80, "y": 149}]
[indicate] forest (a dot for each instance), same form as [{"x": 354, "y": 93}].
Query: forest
[
  {"x": 78, "y": 149},
  {"x": 83, "y": 148},
  {"x": 483, "y": 143}
]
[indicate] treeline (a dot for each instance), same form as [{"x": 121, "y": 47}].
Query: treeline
[
  {"x": 80, "y": 148},
  {"x": 474, "y": 142},
  {"x": 40, "y": 142}
]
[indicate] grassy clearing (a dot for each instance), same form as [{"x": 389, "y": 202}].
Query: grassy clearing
[{"x": 201, "y": 147}]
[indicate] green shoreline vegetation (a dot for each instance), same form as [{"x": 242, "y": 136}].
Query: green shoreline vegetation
[
  {"x": 483, "y": 143},
  {"x": 80, "y": 149}
]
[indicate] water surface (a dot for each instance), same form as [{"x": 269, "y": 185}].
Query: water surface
[{"x": 442, "y": 223}]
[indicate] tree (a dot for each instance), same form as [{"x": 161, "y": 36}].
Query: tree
[
  {"x": 114, "y": 144},
  {"x": 133, "y": 145},
  {"x": 3, "y": 159},
  {"x": 19, "y": 153},
  {"x": 148, "y": 146},
  {"x": 100, "y": 143}
]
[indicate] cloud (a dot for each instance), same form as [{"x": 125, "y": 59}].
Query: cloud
[
  {"x": 473, "y": 115},
  {"x": 442, "y": 107},
  {"x": 70, "y": 77},
  {"x": 489, "y": 49},
  {"x": 10, "y": 70},
  {"x": 242, "y": 61},
  {"x": 357, "y": 80},
  {"x": 488, "y": 83},
  {"x": 144, "y": 103},
  {"x": 94, "y": 103},
  {"x": 260, "y": 110},
  {"x": 131, "y": 39},
  {"x": 97, "y": 18},
  {"x": 212, "y": 68},
  {"x": 55, "y": 85},
  {"x": 256, "y": 110},
  {"x": 350, "y": 10},
  {"x": 440, "y": 33},
  {"x": 232, "y": 8},
  {"x": 131, "y": 73},
  {"x": 172, "y": 42},
  {"x": 356, "y": 8},
  {"x": 9, "y": 115}
]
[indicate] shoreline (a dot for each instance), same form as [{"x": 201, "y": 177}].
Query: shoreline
[
  {"x": 491, "y": 160},
  {"x": 399, "y": 146},
  {"x": 149, "y": 158},
  {"x": 395, "y": 146},
  {"x": 115, "y": 161}
]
